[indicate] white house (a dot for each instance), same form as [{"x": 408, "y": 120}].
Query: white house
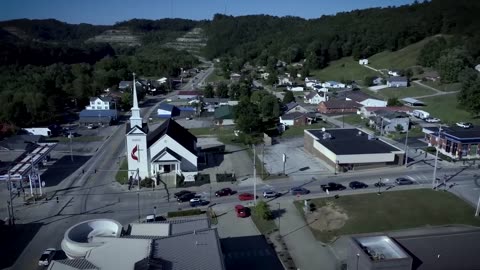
[
  {"x": 168, "y": 151},
  {"x": 363, "y": 61},
  {"x": 394, "y": 73},
  {"x": 282, "y": 80},
  {"x": 162, "y": 80},
  {"x": 315, "y": 98},
  {"x": 477, "y": 67},
  {"x": 310, "y": 84},
  {"x": 319, "y": 88},
  {"x": 101, "y": 103},
  {"x": 333, "y": 84},
  {"x": 310, "y": 79},
  {"x": 295, "y": 89},
  {"x": 371, "y": 102}
]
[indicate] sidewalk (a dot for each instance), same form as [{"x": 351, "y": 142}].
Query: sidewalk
[{"x": 306, "y": 252}]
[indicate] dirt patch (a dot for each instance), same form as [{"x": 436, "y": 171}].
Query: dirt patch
[{"x": 327, "y": 218}]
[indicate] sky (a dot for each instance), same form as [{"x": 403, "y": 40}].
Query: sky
[{"x": 108, "y": 12}]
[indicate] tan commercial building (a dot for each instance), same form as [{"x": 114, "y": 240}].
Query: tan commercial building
[{"x": 351, "y": 149}]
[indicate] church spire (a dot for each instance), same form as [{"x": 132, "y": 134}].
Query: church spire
[{"x": 135, "y": 119}]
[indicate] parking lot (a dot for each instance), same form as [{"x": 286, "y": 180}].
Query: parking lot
[{"x": 298, "y": 160}]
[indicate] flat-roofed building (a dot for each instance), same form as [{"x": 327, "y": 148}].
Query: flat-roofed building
[{"x": 455, "y": 142}]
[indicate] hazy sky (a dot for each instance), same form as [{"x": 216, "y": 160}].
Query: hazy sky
[{"x": 111, "y": 11}]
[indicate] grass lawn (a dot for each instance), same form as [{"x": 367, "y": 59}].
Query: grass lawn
[
  {"x": 401, "y": 59},
  {"x": 343, "y": 69},
  {"x": 448, "y": 87},
  {"x": 353, "y": 119},
  {"x": 215, "y": 76},
  {"x": 122, "y": 174},
  {"x": 394, "y": 211},
  {"x": 411, "y": 91},
  {"x": 223, "y": 134},
  {"x": 446, "y": 108},
  {"x": 297, "y": 131},
  {"x": 264, "y": 226},
  {"x": 414, "y": 132},
  {"x": 77, "y": 139}
]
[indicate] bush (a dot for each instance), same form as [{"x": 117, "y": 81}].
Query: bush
[
  {"x": 262, "y": 210},
  {"x": 226, "y": 177},
  {"x": 190, "y": 212},
  {"x": 147, "y": 183},
  {"x": 200, "y": 179}
]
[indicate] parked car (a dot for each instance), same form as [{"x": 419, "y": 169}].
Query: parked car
[
  {"x": 153, "y": 218},
  {"x": 91, "y": 126},
  {"x": 403, "y": 181},
  {"x": 242, "y": 211},
  {"x": 181, "y": 193},
  {"x": 357, "y": 184},
  {"x": 223, "y": 192},
  {"x": 46, "y": 257},
  {"x": 245, "y": 197},
  {"x": 299, "y": 191},
  {"x": 186, "y": 197},
  {"x": 198, "y": 202},
  {"x": 270, "y": 194},
  {"x": 464, "y": 125},
  {"x": 432, "y": 120},
  {"x": 332, "y": 186}
]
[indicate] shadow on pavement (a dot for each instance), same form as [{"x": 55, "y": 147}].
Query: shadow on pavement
[
  {"x": 249, "y": 252},
  {"x": 62, "y": 168},
  {"x": 14, "y": 239}
]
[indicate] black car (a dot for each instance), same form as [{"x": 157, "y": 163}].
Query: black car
[
  {"x": 223, "y": 192},
  {"x": 181, "y": 193},
  {"x": 403, "y": 181},
  {"x": 186, "y": 197},
  {"x": 332, "y": 187},
  {"x": 357, "y": 184},
  {"x": 200, "y": 202}
]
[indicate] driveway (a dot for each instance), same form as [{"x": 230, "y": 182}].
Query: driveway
[
  {"x": 307, "y": 253},
  {"x": 298, "y": 160}
]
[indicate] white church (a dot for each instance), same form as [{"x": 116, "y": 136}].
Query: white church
[{"x": 169, "y": 151}]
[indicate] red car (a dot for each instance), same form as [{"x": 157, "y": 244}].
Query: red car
[
  {"x": 223, "y": 192},
  {"x": 245, "y": 196},
  {"x": 241, "y": 211}
]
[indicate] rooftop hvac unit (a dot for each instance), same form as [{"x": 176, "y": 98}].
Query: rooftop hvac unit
[{"x": 327, "y": 136}]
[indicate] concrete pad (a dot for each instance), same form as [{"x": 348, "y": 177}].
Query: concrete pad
[
  {"x": 378, "y": 87},
  {"x": 298, "y": 160}
]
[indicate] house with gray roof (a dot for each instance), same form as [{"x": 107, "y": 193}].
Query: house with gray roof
[
  {"x": 397, "y": 82},
  {"x": 101, "y": 103}
]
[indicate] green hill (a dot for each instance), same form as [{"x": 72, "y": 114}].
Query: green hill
[
  {"x": 401, "y": 59},
  {"x": 343, "y": 69}
]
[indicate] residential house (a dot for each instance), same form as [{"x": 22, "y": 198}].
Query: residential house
[
  {"x": 315, "y": 98},
  {"x": 281, "y": 63},
  {"x": 294, "y": 119},
  {"x": 396, "y": 82},
  {"x": 333, "y": 84},
  {"x": 166, "y": 110},
  {"x": 378, "y": 81},
  {"x": 371, "y": 102},
  {"x": 123, "y": 85},
  {"x": 264, "y": 75},
  {"x": 296, "y": 88},
  {"x": 395, "y": 73},
  {"x": 101, "y": 103},
  {"x": 363, "y": 61},
  {"x": 338, "y": 106},
  {"x": 319, "y": 88},
  {"x": 356, "y": 96},
  {"x": 162, "y": 80},
  {"x": 224, "y": 116},
  {"x": 22, "y": 142},
  {"x": 370, "y": 111},
  {"x": 431, "y": 76},
  {"x": 235, "y": 77},
  {"x": 477, "y": 67},
  {"x": 412, "y": 102},
  {"x": 311, "y": 79},
  {"x": 189, "y": 94},
  {"x": 294, "y": 107},
  {"x": 387, "y": 121},
  {"x": 455, "y": 142},
  {"x": 284, "y": 80},
  {"x": 97, "y": 117}
]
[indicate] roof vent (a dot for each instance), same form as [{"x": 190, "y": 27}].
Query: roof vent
[
  {"x": 323, "y": 129},
  {"x": 327, "y": 136},
  {"x": 359, "y": 133}
]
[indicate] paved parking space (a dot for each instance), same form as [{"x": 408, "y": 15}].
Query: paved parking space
[
  {"x": 298, "y": 160},
  {"x": 229, "y": 225}
]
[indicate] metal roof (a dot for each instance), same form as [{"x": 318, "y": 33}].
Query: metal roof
[
  {"x": 98, "y": 113},
  {"x": 412, "y": 101}
]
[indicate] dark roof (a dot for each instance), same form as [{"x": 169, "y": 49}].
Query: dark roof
[
  {"x": 397, "y": 79},
  {"x": 291, "y": 105},
  {"x": 193, "y": 250},
  {"x": 189, "y": 93},
  {"x": 98, "y": 113},
  {"x": 106, "y": 99},
  {"x": 458, "y": 133},
  {"x": 391, "y": 114},
  {"x": 341, "y": 104},
  {"x": 20, "y": 142},
  {"x": 224, "y": 112},
  {"x": 292, "y": 116},
  {"x": 144, "y": 128},
  {"x": 311, "y": 95},
  {"x": 349, "y": 142},
  {"x": 166, "y": 107},
  {"x": 436, "y": 251},
  {"x": 176, "y": 132},
  {"x": 357, "y": 96},
  {"x": 81, "y": 264},
  {"x": 215, "y": 100}
]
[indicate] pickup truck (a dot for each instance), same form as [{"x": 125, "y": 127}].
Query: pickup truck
[{"x": 332, "y": 187}]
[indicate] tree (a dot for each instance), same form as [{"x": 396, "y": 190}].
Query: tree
[
  {"x": 269, "y": 107},
  {"x": 369, "y": 80},
  {"x": 391, "y": 102},
  {"x": 126, "y": 101},
  {"x": 234, "y": 91},
  {"x": 222, "y": 90},
  {"x": 469, "y": 96},
  {"x": 288, "y": 97},
  {"x": 272, "y": 78},
  {"x": 450, "y": 65},
  {"x": 208, "y": 92},
  {"x": 262, "y": 210},
  {"x": 247, "y": 117},
  {"x": 399, "y": 128}
]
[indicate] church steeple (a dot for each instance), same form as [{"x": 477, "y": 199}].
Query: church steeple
[{"x": 135, "y": 119}]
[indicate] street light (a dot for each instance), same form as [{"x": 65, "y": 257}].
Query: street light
[
  {"x": 406, "y": 145},
  {"x": 434, "y": 180},
  {"x": 278, "y": 214},
  {"x": 379, "y": 185},
  {"x": 154, "y": 213}
]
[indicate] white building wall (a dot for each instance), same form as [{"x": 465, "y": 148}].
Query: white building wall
[
  {"x": 167, "y": 141},
  {"x": 366, "y": 158},
  {"x": 143, "y": 162},
  {"x": 370, "y": 102},
  {"x": 325, "y": 151},
  {"x": 287, "y": 122}
]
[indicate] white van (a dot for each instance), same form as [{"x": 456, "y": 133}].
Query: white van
[{"x": 421, "y": 114}]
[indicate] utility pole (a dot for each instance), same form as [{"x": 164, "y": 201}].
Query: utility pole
[
  {"x": 138, "y": 206},
  {"x": 284, "y": 161},
  {"x": 406, "y": 145},
  {"x": 434, "y": 180},
  {"x": 278, "y": 214},
  {"x": 477, "y": 211},
  {"x": 263, "y": 161},
  {"x": 71, "y": 149},
  {"x": 11, "y": 214},
  {"x": 254, "y": 177}
]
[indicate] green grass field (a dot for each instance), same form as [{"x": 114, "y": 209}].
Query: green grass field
[
  {"x": 353, "y": 119},
  {"x": 446, "y": 108},
  {"x": 122, "y": 174},
  {"x": 450, "y": 87},
  {"x": 401, "y": 59},
  {"x": 394, "y": 211},
  {"x": 411, "y": 91},
  {"x": 343, "y": 69},
  {"x": 215, "y": 76},
  {"x": 298, "y": 130}
]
